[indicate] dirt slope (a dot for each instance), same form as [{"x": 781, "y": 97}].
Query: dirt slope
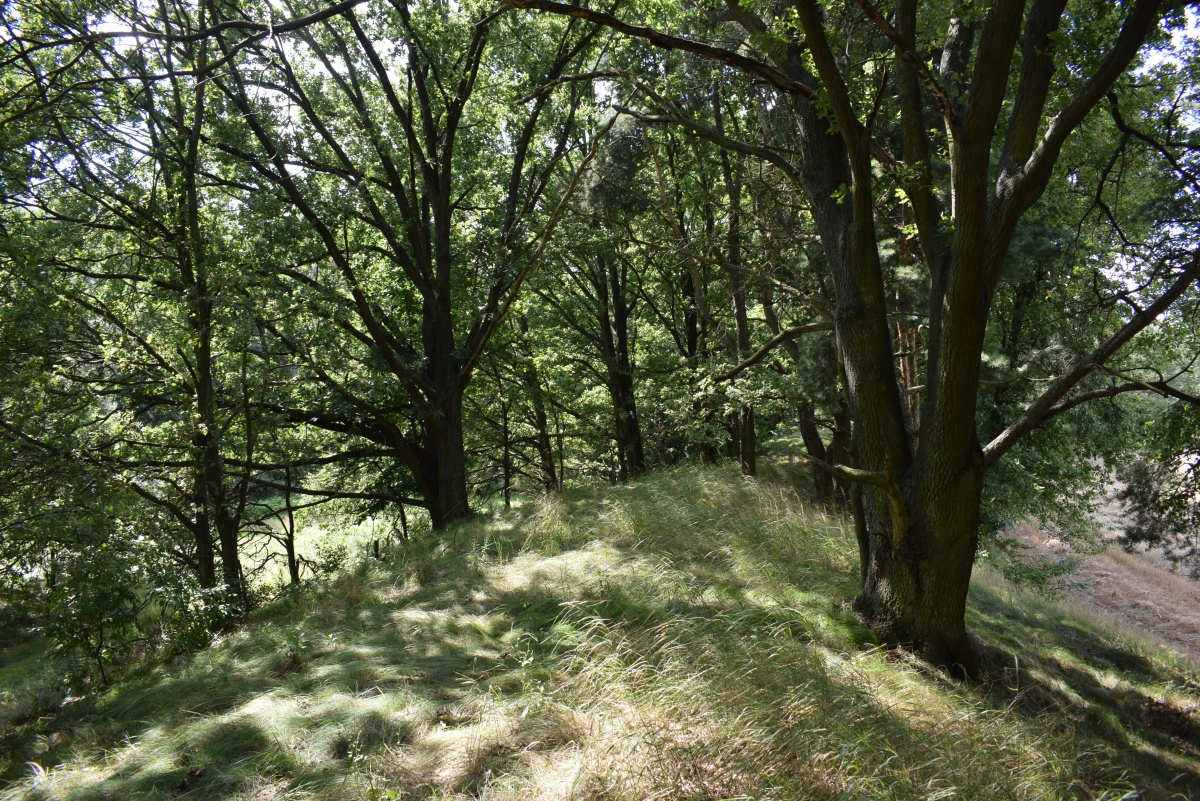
[{"x": 1138, "y": 593}]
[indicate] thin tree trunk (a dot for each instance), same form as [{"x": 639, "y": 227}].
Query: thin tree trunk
[
  {"x": 613, "y": 319},
  {"x": 541, "y": 422},
  {"x": 507, "y": 457},
  {"x": 289, "y": 532},
  {"x": 746, "y": 439},
  {"x": 822, "y": 480},
  {"x": 545, "y": 447}
]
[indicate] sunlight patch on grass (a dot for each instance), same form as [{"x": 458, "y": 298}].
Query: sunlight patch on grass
[{"x": 687, "y": 636}]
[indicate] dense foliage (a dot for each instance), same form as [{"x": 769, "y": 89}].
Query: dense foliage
[{"x": 413, "y": 258}]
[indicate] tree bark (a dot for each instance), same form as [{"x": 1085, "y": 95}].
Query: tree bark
[
  {"x": 444, "y": 465},
  {"x": 811, "y": 435},
  {"x": 613, "y": 322}
]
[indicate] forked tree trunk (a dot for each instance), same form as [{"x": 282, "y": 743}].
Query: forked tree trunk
[
  {"x": 914, "y": 589},
  {"x": 613, "y": 312}
]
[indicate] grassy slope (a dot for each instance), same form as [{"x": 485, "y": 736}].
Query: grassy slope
[{"x": 687, "y": 637}]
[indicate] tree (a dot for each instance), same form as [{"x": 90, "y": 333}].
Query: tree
[
  {"x": 1010, "y": 90},
  {"x": 431, "y": 203},
  {"x": 120, "y": 214}
]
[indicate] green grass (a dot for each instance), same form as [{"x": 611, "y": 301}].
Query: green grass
[{"x": 687, "y": 637}]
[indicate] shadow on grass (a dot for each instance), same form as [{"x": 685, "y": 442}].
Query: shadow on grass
[
  {"x": 386, "y": 663},
  {"x": 1074, "y": 678}
]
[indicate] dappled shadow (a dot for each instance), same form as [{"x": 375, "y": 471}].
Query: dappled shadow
[
  {"x": 1072, "y": 678},
  {"x": 441, "y": 670}
]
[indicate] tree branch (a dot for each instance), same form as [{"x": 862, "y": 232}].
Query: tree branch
[
  {"x": 668, "y": 42},
  {"x": 906, "y": 51},
  {"x": 366, "y": 496},
  {"x": 774, "y": 342},
  {"x": 1039, "y": 411},
  {"x": 884, "y": 481}
]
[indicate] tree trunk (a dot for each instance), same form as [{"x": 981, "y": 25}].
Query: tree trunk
[
  {"x": 748, "y": 440},
  {"x": 506, "y": 460},
  {"x": 915, "y": 589},
  {"x": 614, "y": 314},
  {"x": 841, "y": 450},
  {"x": 541, "y": 424},
  {"x": 696, "y": 341},
  {"x": 815, "y": 446},
  {"x": 545, "y": 447},
  {"x": 444, "y": 467},
  {"x": 206, "y": 558},
  {"x": 289, "y": 532},
  {"x": 194, "y": 269},
  {"x": 541, "y": 421},
  {"x": 733, "y": 432}
]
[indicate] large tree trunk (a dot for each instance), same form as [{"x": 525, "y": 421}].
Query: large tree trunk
[
  {"x": 917, "y": 522},
  {"x": 915, "y": 587},
  {"x": 444, "y": 465},
  {"x": 206, "y": 558}
]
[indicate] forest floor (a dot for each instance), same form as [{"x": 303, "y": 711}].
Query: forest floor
[{"x": 686, "y": 637}]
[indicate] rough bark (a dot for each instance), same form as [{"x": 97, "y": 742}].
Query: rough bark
[{"x": 443, "y": 466}]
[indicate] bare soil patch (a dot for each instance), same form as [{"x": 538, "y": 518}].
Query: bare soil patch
[{"x": 1137, "y": 593}]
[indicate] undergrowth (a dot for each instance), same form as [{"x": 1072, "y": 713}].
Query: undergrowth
[{"x": 687, "y": 637}]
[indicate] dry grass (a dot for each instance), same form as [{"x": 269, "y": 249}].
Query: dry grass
[
  {"x": 1137, "y": 594},
  {"x": 688, "y": 637}
]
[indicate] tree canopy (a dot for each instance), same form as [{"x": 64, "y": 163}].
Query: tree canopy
[{"x": 411, "y": 258}]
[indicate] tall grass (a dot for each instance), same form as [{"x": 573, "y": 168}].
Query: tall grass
[{"x": 686, "y": 637}]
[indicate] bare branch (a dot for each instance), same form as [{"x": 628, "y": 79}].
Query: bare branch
[{"x": 774, "y": 342}]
